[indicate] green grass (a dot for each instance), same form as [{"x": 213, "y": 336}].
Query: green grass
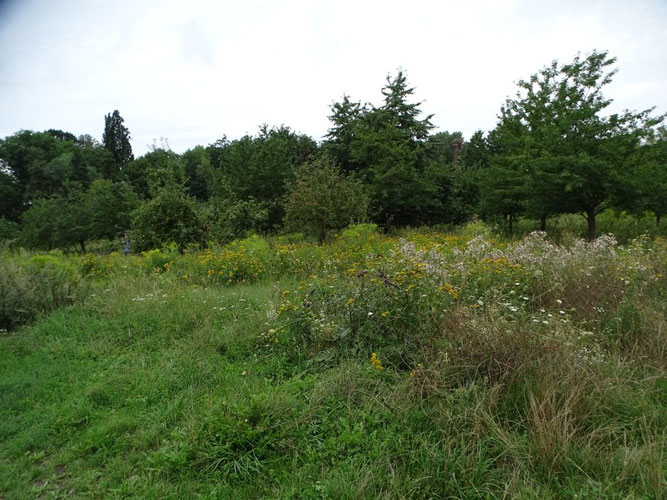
[{"x": 155, "y": 386}]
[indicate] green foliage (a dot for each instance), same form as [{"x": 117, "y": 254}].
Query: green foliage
[
  {"x": 155, "y": 260},
  {"x": 183, "y": 387},
  {"x": 649, "y": 178},
  {"x": 39, "y": 165},
  {"x": 116, "y": 138},
  {"x": 259, "y": 168},
  {"x": 321, "y": 199},
  {"x": 554, "y": 134},
  {"x": 229, "y": 217},
  {"x": 385, "y": 146},
  {"x": 9, "y": 230},
  {"x": 11, "y": 199},
  {"x": 358, "y": 234},
  {"x": 35, "y": 286},
  {"x": 170, "y": 217},
  {"x": 109, "y": 206},
  {"x": 55, "y": 223},
  {"x": 153, "y": 171},
  {"x": 198, "y": 172}
]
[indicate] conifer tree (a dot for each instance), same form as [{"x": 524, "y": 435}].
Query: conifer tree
[{"x": 116, "y": 138}]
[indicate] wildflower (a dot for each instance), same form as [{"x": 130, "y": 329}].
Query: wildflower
[
  {"x": 350, "y": 301},
  {"x": 375, "y": 361},
  {"x": 370, "y": 313},
  {"x": 384, "y": 314}
]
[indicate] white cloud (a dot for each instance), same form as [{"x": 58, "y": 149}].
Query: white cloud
[{"x": 194, "y": 71}]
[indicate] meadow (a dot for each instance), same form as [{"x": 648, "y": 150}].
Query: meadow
[{"x": 424, "y": 364}]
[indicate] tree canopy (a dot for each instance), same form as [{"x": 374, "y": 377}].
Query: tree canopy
[
  {"x": 556, "y": 149},
  {"x": 555, "y": 135}
]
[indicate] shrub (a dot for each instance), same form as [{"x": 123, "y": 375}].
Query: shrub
[
  {"x": 36, "y": 286},
  {"x": 170, "y": 217},
  {"x": 9, "y": 230}
]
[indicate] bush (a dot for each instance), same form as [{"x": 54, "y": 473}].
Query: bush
[
  {"x": 170, "y": 217},
  {"x": 36, "y": 286},
  {"x": 9, "y": 230}
]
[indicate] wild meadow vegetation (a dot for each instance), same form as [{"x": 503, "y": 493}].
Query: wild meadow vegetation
[
  {"x": 423, "y": 364},
  {"x": 259, "y": 318}
]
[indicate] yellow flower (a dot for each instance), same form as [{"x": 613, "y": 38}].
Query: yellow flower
[
  {"x": 350, "y": 301},
  {"x": 375, "y": 361},
  {"x": 384, "y": 314}
]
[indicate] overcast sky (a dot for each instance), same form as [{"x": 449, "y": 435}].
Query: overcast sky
[{"x": 193, "y": 71}]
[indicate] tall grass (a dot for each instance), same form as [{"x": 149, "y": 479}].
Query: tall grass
[{"x": 420, "y": 365}]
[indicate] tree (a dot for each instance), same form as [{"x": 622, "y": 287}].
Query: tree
[
  {"x": 116, "y": 138},
  {"x": 44, "y": 164},
  {"x": 170, "y": 217},
  {"x": 57, "y": 222},
  {"x": 346, "y": 119},
  {"x": 11, "y": 201},
  {"x": 151, "y": 172},
  {"x": 198, "y": 172},
  {"x": 109, "y": 206},
  {"x": 649, "y": 177},
  {"x": 385, "y": 146},
  {"x": 228, "y": 216},
  {"x": 322, "y": 199},
  {"x": 555, "y": 131},
  {"x": 258, "y": 167}
]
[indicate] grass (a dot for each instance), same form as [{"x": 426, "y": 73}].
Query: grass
[{"x": 168, "y": 382}]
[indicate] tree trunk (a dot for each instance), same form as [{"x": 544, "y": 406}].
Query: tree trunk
[
  {"x": 657, "y": 220},
  {"x": 543, "y": 222},
  {"x": 511, "y": 224},
  {"x": 590, "y": 217},
  {"x": 83, "y": 245}
]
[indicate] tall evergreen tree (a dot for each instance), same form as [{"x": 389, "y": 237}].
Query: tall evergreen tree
[{"x": 116, "y": 138}]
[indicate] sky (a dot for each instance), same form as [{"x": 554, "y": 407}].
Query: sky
[{"x": 195, "y": 71}]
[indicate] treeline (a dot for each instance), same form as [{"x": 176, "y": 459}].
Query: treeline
[{"x": 554, "y": 150}]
